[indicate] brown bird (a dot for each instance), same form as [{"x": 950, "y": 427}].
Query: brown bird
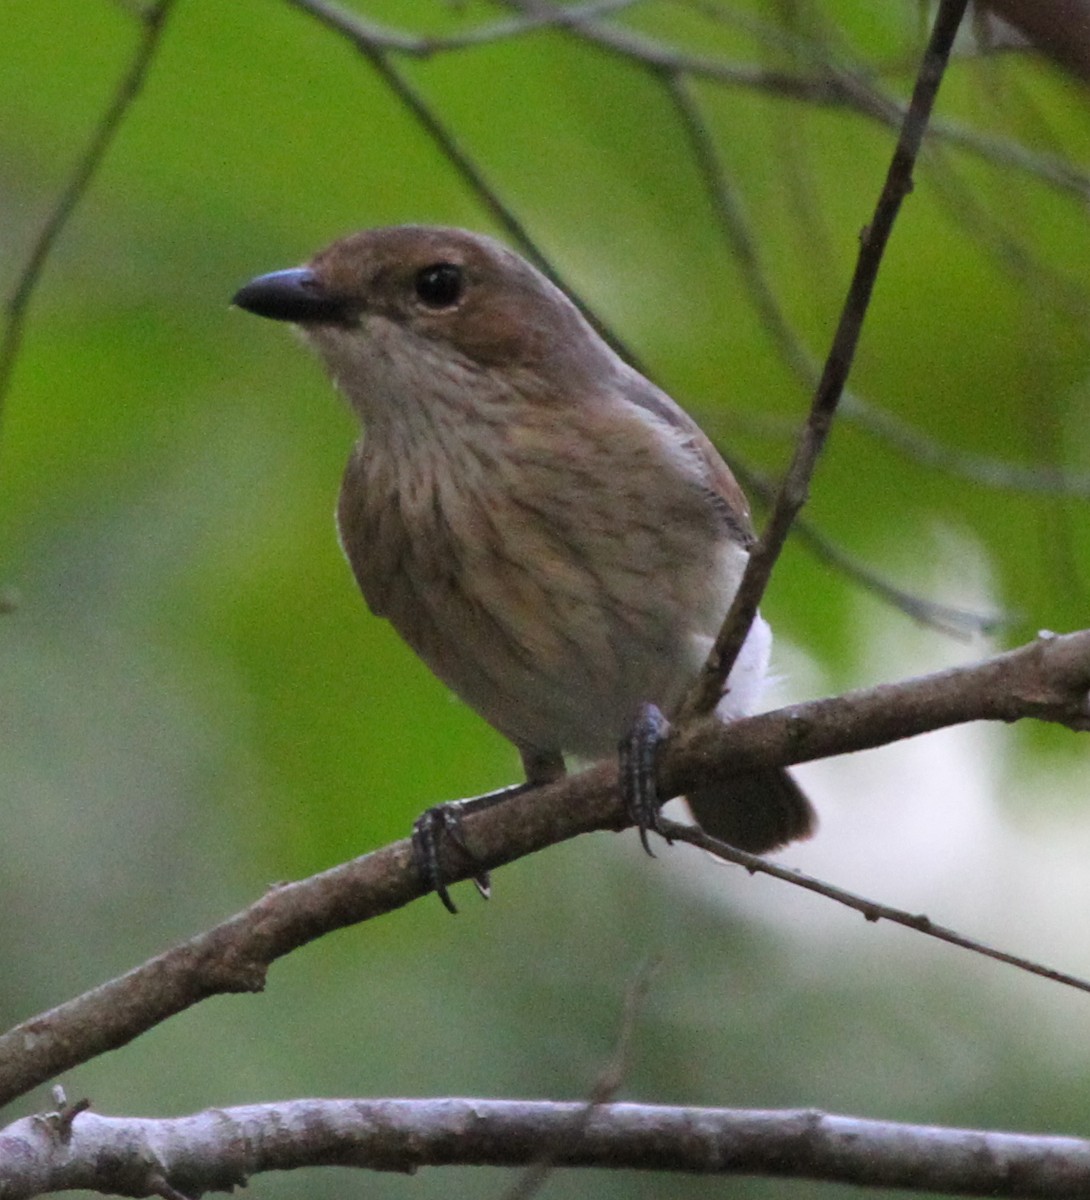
[{"x": 549, "y": 531}]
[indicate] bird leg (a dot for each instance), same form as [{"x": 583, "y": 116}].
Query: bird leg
[
  {"x": 445, "y": 821},
  {"x": 637, "y": 754}
]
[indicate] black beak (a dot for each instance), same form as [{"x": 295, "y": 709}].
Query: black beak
[{"x": 293, "y": 295}]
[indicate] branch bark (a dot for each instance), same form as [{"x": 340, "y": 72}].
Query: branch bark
[
  {"x": 1048, "y": 679},
  {"x": 220, "y": 1149}
]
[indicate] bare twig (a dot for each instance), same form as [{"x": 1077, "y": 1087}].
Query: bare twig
[
  {"x": 831, "y": 84},
  {"x": 221, "y": 1148},
  {"x": 736, "y": 229},
  {"x": 872, "y": 911},
  {"x": 446, "y": 142},
  {"x": 920, "y": 447},
  {"x": 950, "y": 619},
  {"x": 364, "y": 31},
  {"x": 745, "y": 252},
  {"x": 707, "y": 690},
  {"x": 153, "y": 18},
  {"x": 1006, "y": 235},
  {"x": 1002, "y": 152},
  {"x": 1048, "y": 679},
  {"x": 981, "y": 469},
  {"x": 158, "y": 1186},
  {"x": 828, "y": 84},
  {"x": 956, "y": 622},
  {"x": 449, "y": 147}
]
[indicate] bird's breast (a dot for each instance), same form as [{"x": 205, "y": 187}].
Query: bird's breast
[{"x": 552, "y": 581}]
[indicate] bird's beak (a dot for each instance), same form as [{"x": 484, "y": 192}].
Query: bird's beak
[{"x": 296, "y": 294}]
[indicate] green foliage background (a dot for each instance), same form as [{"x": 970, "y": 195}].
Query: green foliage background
[{"x": 196, "y": 703}]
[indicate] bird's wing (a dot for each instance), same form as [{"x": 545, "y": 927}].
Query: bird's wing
[{"x": 723, "y": 489}]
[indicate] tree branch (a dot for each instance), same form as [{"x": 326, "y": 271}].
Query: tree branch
[
  {"x": 220, "y": 1149},
  {"x": 1048, "y": 679},
  {"x": 707, "y": 689}
]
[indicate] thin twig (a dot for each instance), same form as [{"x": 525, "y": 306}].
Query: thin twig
[
  {"x": 1049, "y": 287},
  {"x": 707, "y": 690},
  {"x": 736, "y": 229},
  {"x": 153, "y": 20},
  {"x": 161, "y": 1187},
  {"x": 449, "y": 147},
  {"x": 982, "y": 469},
  {"x": 382, "y": 38},
  {"x": 1006, "y": 238},
  {"x": 1002, "y": 152},
  {"x": 921, "y": 448},
  {"x": 870, "y": 909},
  {"x": 962, "y": 624},
  {"x": 950, "y": 619},
  {"x": 829, "y": 85}
]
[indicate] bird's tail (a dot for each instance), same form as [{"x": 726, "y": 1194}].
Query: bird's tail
[{"x": 757, "y": 812}]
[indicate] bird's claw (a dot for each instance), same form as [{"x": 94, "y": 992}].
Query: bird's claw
[
  {"x": 434, "y": 824},
  {"x": 637, "y": 753}
]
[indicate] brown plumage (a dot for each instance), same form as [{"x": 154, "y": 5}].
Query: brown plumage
[{"x": 549, "y": 531}]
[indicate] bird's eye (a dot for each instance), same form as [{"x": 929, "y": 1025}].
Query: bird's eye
[{"x": 440, "y": 285}]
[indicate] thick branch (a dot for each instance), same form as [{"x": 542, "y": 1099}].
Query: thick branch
[
  {"x": 1048, "y": 679},
  {"x": 220, "y": 1149}
]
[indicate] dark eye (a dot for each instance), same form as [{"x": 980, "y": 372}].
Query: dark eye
[{"x": 440, "y": 285}]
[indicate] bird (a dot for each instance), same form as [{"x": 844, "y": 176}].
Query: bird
[{"x": 552, "y": 534}]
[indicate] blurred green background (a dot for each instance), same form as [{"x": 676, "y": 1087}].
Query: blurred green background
[{"x": 196, "y": 702}]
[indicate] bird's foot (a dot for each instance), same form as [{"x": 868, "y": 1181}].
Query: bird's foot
[
  {"x": 638, "y": 752},
  {"x": 444, "y": 821}
]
